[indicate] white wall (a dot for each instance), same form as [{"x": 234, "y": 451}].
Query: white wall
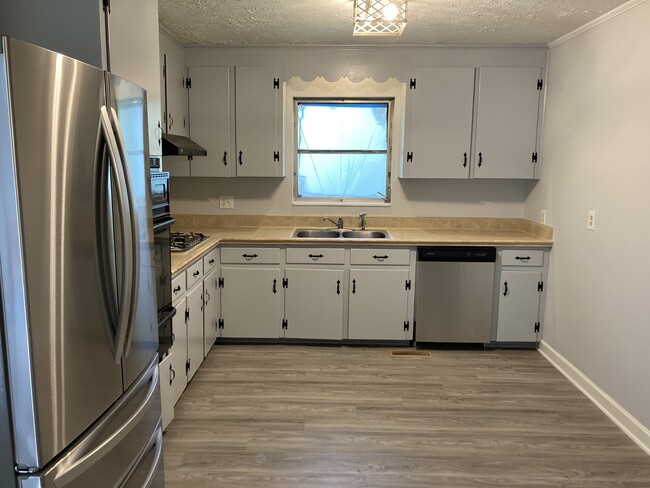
[
  {"x": 273, "y": 196},
  {"x": 597, "y": 157}
]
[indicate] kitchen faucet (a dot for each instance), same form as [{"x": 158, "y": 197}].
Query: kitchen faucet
[
  {"x": 362, "y": 220},
  {"x": 338, "y": 223}
]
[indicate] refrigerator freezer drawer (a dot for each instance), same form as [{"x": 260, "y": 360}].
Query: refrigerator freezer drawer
[{"x": 117, "y": 447}]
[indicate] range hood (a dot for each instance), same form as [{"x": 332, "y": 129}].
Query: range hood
[{"x": 173, "y": 145}]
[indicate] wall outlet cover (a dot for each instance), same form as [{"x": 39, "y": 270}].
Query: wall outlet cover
[
  {"x": 542, "y": 217},
  {"x": 591, "y": 220},
  {"x": 227, "y": 202}
]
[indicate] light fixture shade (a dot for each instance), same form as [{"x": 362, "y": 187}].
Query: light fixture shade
[{"x": 379, "y": 17}]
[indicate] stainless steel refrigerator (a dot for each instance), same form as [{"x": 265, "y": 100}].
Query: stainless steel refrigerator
[{"x": 79, "y": 395}]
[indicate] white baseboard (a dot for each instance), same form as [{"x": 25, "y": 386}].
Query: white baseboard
[{"x": 621, "y": 417}]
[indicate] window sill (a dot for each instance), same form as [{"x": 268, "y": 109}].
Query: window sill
[{"x": 334, "y": 203}]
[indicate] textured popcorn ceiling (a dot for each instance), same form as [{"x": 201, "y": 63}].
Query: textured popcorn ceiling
[{"x": 329, "y": 22}]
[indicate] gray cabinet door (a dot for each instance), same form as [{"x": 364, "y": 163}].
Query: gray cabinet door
[
  {"x": 507, "y": 122},
  {"x": 519, "y": 301},
  {"x": 250, "y": 302},
  {"x": 211, "y": 311},
  {"x": 257, "y": 122},
  {"x": 211, "y": 116},
  {"x": 378, "y": 304},
  {"x": 179, "y": 350},
  {"x": 176, "y": 74},
  {"x": 440, "y": 123},
  {"x": 195, "y": 330},
  {"x": 314, "y": 304}
]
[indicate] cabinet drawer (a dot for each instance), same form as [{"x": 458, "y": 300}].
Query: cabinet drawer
[
  {"x": 210, "y": 261},
  {"x": 386, "y": 257},
  {"x": 178, "y": 286},
  {"x": 315, "y": 255},
  {"x": 194, "y": 273},
  {"x": 245, "y": 255},
  {"x": 522, "y": 257}
]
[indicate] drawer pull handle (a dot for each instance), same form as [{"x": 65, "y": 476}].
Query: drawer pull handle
[
  {"x": 211, "y": 261},
  {"x": 505, "y": 288},
  {"x": 195, "y": 274},
  {"x": 522, "y": 258},
  {"x": 354, "y": 286},
  {"x": 275, "y": 287},
  {"x": 315, "y": 256},
  {"x": 177, "y": 289},
  {"x": 380, "y": 258},
  {"x": 249, "y": 256},
  {"x": 338, "y": 287}
]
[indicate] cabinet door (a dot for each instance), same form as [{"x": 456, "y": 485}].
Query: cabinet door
[
  {"x": 179, "y": 349},
  {"x": 194, "y": 330},
  {"x": 176, "y": 74},
  {"x": 250, "y": 302},
  {"x": 519, "y": 301},
  {"x": 211, "y": 311},
  {"x": 379, "y": 304},
  {"x": 314, "y": 304},
  {"x": 210, "y": 113},
  {"x": 507, "y": 120},
  {"x": 257, "y": 122},
  {"x": 167, "y": 377},
  {"x": 440, "y": 123}
]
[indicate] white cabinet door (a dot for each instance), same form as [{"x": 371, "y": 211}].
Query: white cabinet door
[
  {"x": 441, "y": 106},
  {"x": 519, "y": 301},
  {"x": 175, "y": 76},
  {"x": 379, "y": 304},
  {"x": 210, "y": 311},
  {"x": 257, "y": 111},
  {"x": 250, "y": 302},
  {"x": 167, "y": 376},
  {"x": 179, "y": 349},
  {"x": 211, "y": 116},
  {"x": 194, "y": 330},
  {"x": 507, "y": 122},
  {"x": 314, "y": 304}
]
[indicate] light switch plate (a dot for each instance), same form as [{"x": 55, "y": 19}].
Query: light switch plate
[
  {"x": 227, "y": 202},
  {"x": 542, "y": 217},
  {"x": 591, "y": 220}
]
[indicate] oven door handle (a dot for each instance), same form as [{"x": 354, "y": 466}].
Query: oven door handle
[
  {"x": 170, "y": 311},
  {"x": 168, "y": 222}
]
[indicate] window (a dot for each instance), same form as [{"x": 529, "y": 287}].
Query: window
[{"x": 343, "y": 150}]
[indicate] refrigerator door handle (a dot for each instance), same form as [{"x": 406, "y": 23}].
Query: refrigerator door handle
[
  {"x": 154, "y": 465},
  {"x": 82, "y": 464},
  {"x": 126, "y": 282},
  {"x": 134, "y": 228}
]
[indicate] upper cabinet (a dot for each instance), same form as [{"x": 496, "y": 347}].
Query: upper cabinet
[
  {"x": 473, "y": 123},
  {"x": 175, "y": 107}
]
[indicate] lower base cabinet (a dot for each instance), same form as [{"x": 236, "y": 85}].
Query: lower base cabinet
[
  {"x": 210, "y": 311},
  {"x": 167, "y": 376},
  {"x": 379, "y": 305},
  {"x": 179, "y": 350},
  {"x": 313, "y": 304},
  {"x": 519, "y": 305},
  {"x": 194, "y": 321}
]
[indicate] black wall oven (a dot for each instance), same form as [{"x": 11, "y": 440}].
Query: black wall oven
[{"x": 162, "y": 221}]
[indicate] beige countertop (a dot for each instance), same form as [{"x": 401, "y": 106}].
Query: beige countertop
[{"x": 401, "y": 236}]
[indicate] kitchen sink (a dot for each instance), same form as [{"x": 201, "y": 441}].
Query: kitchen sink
[{"x": 340, "y": 234}]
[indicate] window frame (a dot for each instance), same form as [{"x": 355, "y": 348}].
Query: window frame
[{"x": 338, "y": 201}]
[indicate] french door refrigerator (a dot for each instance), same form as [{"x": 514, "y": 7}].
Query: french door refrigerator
[{"x": 79, "y": 395}]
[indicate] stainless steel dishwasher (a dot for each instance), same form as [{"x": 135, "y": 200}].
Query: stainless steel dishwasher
[{"x": 454, "y": 294}]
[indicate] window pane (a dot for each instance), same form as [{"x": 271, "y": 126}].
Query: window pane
[
  {"x": 338, "y": 126},
  {"x": 341, "y": 175}
]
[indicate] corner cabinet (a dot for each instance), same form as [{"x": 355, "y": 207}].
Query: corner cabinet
[
  {"x": 473, "y": 123},
  {"x": 235, "y": 115},
  {"x": 520, "y": 295}
]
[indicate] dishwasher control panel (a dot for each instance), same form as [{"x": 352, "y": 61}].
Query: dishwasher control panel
[{"x": 479, "y": 254}]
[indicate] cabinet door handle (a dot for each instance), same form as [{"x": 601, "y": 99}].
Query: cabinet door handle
[
  {"x": 195, "y": 274},
  {"x": 380, "y": 258},
  {"x": 225, "y": 158},
  {"x": 249, "y": 256},
  {"x": 354, "y": 286},
  {"x": 173, "y": 338},
  {"x": 172, "y": 375},
  {"x": 480, "y": 159},
  {"x": 171, "y": 123},
  {"x": 338, "y": 287},
  {"x": 275, "y": 286},
  {"x": 505, "y": 288},
  {"x": 315, "y": 256},
  {"x": 208, "y": 294},
  {"x": 241, "y": 158},
  {"x": 177, "y": 289},
  {"x": 522, "y": 258},
  {"x": 465, "y": 160}
]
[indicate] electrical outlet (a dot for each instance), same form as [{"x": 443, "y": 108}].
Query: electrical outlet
[
  {"x": 591, "y": 220},
  {"x": 542, "y": 217},
  {"x": 227, "y": 202}
]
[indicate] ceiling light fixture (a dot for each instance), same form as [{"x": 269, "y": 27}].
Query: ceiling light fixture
[{"x": 379, "y": 17}]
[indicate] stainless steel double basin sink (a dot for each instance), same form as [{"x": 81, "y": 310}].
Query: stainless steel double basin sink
[{"x": 340, "y": 234}]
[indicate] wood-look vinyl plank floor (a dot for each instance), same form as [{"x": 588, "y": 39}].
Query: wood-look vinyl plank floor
[{"x": 329, "y": 417}]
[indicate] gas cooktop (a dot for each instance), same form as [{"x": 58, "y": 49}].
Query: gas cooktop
[{"x": 184, "y": 241}]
